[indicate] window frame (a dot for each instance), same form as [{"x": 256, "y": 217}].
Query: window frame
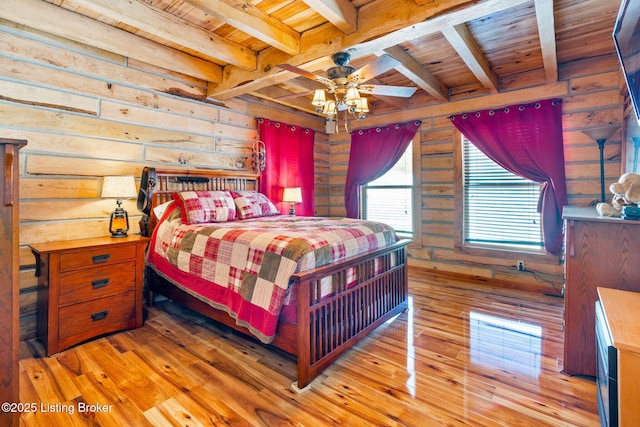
[
  {"x": 416, "y": 197},
  {"x": 478, "y": 249}
]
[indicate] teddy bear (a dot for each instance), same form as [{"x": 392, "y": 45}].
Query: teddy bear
[{"x": 625, "y": 192}]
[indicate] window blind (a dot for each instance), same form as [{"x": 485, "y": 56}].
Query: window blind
[
  {"x": 500, "y": 207},
  {"x": 388, "y": 199},
  {"x": 390, "y": 205}
]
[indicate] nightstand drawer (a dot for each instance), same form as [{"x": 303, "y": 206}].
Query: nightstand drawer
[
  {"x": 100, "y": 256},
  {"x": 79, "y": 322},
  {"x": 97, "y": 282}
]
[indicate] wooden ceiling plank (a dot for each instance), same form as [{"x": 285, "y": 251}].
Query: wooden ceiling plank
[
  {"x": 159, "y": 23},
  {"x": 547, "y": 34},
  {"x": 463, "y": 42},
  {"x": 48, "y": 17},
  {"x": 247, "y": 18},
  {"x": 415, "y": 72},
  {"x": 341, "y": 13}
]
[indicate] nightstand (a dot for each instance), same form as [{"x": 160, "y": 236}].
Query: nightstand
[{"x": 88, "y": 288}]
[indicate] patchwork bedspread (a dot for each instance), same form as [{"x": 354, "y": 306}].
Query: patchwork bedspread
[{"x": 244, "y": 267}]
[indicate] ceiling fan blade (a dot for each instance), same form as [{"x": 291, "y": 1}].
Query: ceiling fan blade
[
  {"x": 401, "y": 91},
  {"x": 307, "y": 74},
  {"x": 380, "y": 65}
]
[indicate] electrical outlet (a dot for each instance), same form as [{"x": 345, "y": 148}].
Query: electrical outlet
[{"x": 521, "y": 266}]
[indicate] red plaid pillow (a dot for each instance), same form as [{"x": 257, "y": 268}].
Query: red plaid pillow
[
  {"x": 205, "y": 206},
  {"x": 250, "y": 204}
]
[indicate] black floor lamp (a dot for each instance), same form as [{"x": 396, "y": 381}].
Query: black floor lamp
[{"x": 600, "y": 135}]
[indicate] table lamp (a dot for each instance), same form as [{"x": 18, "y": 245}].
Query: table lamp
[
  {"x": 119, "y": 187},
  {"x": 292, "y": 195}
]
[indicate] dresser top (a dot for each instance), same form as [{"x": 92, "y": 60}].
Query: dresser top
[
  {"x": 589, "y": 213},
  {"x": 621, "y": 310}
]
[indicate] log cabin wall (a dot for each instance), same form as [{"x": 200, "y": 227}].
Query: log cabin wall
[
  {"x": 591, "y": 92},
  {"x": 88, "y": 113}
]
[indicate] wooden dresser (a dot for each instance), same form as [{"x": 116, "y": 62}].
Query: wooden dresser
[
  {"x": 621, "y": 312},
  {"x": 9, "y": 280},
  {"x": 88, "y": 288},
  {"x": 599, "y": 251}
]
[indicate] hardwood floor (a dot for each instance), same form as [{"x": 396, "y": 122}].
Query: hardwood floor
[{"x": 464, "y": 354}]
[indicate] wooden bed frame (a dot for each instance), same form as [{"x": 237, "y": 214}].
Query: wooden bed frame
[{"x": 326, "y": 327}]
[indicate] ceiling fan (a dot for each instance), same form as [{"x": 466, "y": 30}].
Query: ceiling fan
[{"x": 346, "y": 83}]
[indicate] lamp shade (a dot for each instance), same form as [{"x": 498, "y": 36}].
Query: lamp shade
[
  {"x": 602, "y": 132},
  {"x": 319, "y": 98},
  {"x": 292, "y": 195},
  {"x": 119, "y": 187},
  {"x": 352, "y": 97}
]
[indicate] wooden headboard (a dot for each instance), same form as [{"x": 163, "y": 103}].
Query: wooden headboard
[{"x": 158, "y": 185}]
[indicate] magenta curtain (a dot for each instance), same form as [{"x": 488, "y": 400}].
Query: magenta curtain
[
  {"x": 373, "y": 152},
  {"x": 289, "y": 163},
  {"x": 526, "y": 140}
]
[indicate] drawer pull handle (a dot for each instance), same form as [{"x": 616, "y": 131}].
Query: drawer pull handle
[
  {"x": 100, "y": 258},
  {"x": 99, "y": 316},
  {"x": 97, "y": 284}
]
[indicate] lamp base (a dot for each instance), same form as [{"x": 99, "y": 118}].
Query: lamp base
[
  {"x": 292, "y": 210},
  {"x": 119, "y": 223}
]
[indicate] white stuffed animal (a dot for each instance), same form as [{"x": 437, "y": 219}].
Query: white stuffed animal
[{"x": 625, "y": 192}]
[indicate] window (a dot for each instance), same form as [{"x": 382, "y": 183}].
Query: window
[
  {"x": 389, "y": 199},
  {"x": 500, "y": 208}
]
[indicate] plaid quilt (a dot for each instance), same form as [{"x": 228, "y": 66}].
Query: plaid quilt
[{"x": 244, "y": 267}]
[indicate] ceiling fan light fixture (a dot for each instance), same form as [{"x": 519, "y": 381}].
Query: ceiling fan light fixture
[
  {"x": 319, "y": 98},
  {"x": 344, "y": 83},
  {"x": 352, "y": 98},
  {"x": 330, "y": 109},
  {"x": 361, "y": 108}
]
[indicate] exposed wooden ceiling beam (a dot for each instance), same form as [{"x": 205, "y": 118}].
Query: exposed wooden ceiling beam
[
  {"x": 463, "y": 42},
  {"x": 430, "y": 25},
  {"x": 61, "y": 22},
  {"x": 547, "y": 34},
  {"x": 249, "y": 19},
  {"x": 374, "y": 19},
  {"x": 159, "y": 23},
  {"x": 415, "y": 72},
  {"x": 280, "y": 96},
  {"x": 341, "y": 13},
  {"x": 379, "y": 28}
]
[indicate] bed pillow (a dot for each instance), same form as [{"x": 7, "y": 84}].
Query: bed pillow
[
  {"x": 205, "y": 206},
  {"x": 250, "y": 204},
  {"x": 159, "y": 210}
]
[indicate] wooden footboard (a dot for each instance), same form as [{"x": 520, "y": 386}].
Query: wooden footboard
[{"x": 329, "y": 326}]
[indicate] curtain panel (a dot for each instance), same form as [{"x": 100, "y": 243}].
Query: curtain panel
[
  {"x": 373, "y": 152},
  {"x": 527, "y": 141},
  {"x": 289, "y": 163}
]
